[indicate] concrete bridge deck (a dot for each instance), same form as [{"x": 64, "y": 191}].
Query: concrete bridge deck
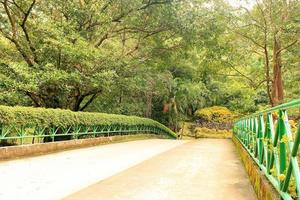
[{"x": 156, "y": 169}]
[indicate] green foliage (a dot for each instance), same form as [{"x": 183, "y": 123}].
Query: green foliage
[
  {"x": 217, "y": 114},
  {"x": 192, "y": 130},
  {"x": 134, "y": 57},
  {"x": 66, "y": 54},
  {"x": 43, "y": 118}
]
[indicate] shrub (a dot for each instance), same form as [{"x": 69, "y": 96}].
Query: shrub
[
  {"x": 215, "y": 114},
  {"x": 42, "y": 117}
]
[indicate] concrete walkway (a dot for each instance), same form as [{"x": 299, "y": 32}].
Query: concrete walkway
[
  {"x": 207, "y": 169},
  {"x": 54, "y": 176}
]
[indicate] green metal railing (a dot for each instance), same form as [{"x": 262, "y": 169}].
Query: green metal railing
[
  {"x": 36, "y": 134},
  {"x": 273, "y": 144},
  {"x": 26, "y": 125}
]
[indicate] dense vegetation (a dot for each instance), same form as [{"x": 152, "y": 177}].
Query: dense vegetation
[
  {"x": 162, "y": 59},
  {"x": 215, "y": 117},
  {"x": 25, "y": 123},
  {"x": 41, "y": 117}
]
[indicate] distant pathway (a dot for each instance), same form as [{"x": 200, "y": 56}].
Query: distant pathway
[{"x": 206, "y": 169}]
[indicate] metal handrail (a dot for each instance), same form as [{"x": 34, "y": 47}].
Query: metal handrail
[
  {"x": 76, "y": 132},
  {"x": 273, "y": 145},
  {"x": 26, "y": 125},
  {"x": 285, "y": 106}
]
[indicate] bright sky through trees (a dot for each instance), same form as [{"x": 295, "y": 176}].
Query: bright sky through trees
[{"x": 244, "y": 3}]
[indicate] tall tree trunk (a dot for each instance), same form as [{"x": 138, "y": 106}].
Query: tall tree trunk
[
  {"x": 277, "y": 84},
  {"x": 267, "y": 73}
]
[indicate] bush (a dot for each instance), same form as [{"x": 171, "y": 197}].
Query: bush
[
  {"x": 42, "y": 117},
  {"x": 216, "y": 114},
  {"x": 215, "y": 117}
]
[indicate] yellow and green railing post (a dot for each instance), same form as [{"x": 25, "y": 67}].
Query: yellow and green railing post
[{"x": 270, "y": 141}]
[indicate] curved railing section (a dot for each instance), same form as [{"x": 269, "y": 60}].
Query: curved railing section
[
  {"x": 23, "y": 125},
  {"x": 273, "y": 140}
]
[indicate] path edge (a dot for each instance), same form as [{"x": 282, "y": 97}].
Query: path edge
[
  {"x": 262, "y": 187},
  {"x": 16, "y": 152}
]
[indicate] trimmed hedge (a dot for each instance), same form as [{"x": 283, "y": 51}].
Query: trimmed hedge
[{"x": 42, "y": 117}]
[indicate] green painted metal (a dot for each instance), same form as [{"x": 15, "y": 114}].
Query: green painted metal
[
  {"x": 268, "y": 138},
  {"x": 35, "y": 134}
]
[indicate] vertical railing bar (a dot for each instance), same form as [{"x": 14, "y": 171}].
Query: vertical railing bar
[{"x": 272, "y": 147}]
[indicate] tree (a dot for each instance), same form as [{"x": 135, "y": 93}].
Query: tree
[
  {"x": 69, "y": 51},
  {"x": 270, "y": 29},
  {"x": 162, "y": 59}
]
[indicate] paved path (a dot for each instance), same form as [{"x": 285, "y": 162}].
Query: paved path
[
  {"x": 54, "y": 176},
  {"x": 206, "y": 169}
]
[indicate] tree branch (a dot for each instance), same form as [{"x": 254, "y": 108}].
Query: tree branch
[
  {"x": 13, "y": 39},
  {"x": 23, "y": 26},
  {"x": 251, "y": 39},
  {"x": 89, "y": 102},
  {"x": 286, "y": 47},
  {"x": 239, "y": 72},
  {"x": 36, "y": 100},
  {"x": 27, "y": 13},
  {"x": 101, "y": 40},
  {"x": 11, "y": 19},
  {"x": 151, "y": 3}
]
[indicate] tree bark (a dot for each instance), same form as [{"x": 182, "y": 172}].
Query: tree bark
[{"x": 277, "y": 84}]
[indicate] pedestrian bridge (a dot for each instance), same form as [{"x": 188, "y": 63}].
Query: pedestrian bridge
[
  {"x": 260, "y": 162},
  {"x": 145, "y": 169}
]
